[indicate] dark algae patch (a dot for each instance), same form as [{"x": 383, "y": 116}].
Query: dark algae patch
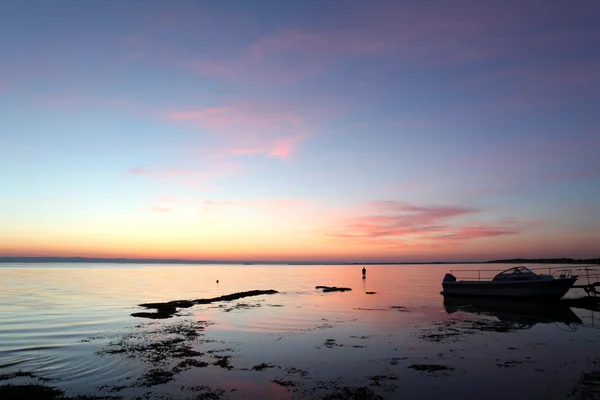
[
  {"x": 512, "y": 363},
  {"x": 23, "y": 374},
  {"x": 168, "y": 309},
  {"x": 284, "y": 382},
  {"x": 331, "y": 343},
  {"x": 430, "y": 368},
  {"x": 40, "y": 392},
  {"x": 239, "y": 306},
  {"x": 167, "y": 350},
  {"x": 222, "y": 361},
  {"x": 155, "y": 346},
  {"x": 396, "y": 360},
  {"x": 262, "y": 367},
  {"x": 588, "y": 387},
  {"x": 206, "y": 393},
  {"x": 377, "y": 379},
  {"x": 457, "y": 329},
  {"x": 19, "y": 392},
  {"x": 189, "y": 363},
  {"x": 156, "y": 377},
  {"x": 354, "y": 393}
]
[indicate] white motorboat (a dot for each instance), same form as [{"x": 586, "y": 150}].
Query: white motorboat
[{"x": 514, "y": 282}]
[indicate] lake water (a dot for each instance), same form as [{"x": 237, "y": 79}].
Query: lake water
[{"x": 69, "y": 326}]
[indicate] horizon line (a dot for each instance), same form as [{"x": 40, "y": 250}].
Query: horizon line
[{"x": 125, "y": 260}]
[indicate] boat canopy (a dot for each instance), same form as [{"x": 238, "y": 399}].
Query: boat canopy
[{"x": 516, "y": 274}]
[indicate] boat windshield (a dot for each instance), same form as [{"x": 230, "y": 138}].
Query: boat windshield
[{"x": 516, "y": 273}]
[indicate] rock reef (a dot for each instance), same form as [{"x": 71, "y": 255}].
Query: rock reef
[
  {"x": 168, "y": 309},
  {"x": 332, "y": 289}
]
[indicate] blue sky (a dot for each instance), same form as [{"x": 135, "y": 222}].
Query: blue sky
[{"x": 379, "y": 131}]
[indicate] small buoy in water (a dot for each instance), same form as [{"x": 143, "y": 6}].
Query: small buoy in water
[{"x": 217, "y": 281}]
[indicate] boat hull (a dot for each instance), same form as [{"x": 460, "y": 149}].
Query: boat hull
[{"x": 535, "y": 289}]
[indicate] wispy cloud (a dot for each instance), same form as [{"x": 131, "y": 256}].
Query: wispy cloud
[
  {"x": 160, "y": 209},
  {"x": 443, "y": 33},
  {"x": 478, "y": 231},
  {"x": 403, "y": 225},
  {"x": 198, "y": 179},
  {"x": 290, "y": 56},
  {"x": 164, "y": 204},
  {"x": 166, "y": 199},
  {"x": 249, "y": 128}
]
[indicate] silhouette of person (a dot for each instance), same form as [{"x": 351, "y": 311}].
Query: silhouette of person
[{"x": 364, "y": 271}]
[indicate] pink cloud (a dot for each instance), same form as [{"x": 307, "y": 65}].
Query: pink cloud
[
  {"x": 439, "y": 35},
  {"x": 405, "y": 226},
  {"x": 283, "y": 147},
  {"x": 290, "y": 56},
  {"x": 420, "y": 213},
  {"x": 249, "y": 128},
  {"x": 475, "y": 231}
]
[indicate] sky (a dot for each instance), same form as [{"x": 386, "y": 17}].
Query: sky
[{"x": 327, "y": 130}]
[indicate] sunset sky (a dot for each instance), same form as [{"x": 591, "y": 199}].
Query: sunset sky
[{"x": 300, "y": 130}]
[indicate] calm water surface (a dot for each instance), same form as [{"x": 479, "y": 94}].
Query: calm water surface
[{"x": 58, "y": 320}]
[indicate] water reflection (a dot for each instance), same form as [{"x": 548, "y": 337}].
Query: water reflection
[
  {"x": 524, "y": 314},
  {"x": 73, "y": 324}
]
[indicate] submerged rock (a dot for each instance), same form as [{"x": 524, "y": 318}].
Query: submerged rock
[
  {"x": 332, "y": 289},
  {"x": 161, "y": 313}
]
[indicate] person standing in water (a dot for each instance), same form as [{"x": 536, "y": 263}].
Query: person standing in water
[{"x": 364, "y": 271}]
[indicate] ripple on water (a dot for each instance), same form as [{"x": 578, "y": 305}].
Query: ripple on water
[{"x": 75, "y": 366}]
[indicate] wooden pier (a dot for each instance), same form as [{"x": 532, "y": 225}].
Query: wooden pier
[{"x": 591, "y": 273}]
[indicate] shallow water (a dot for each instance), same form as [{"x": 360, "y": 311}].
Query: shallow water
[{"x": 57, "y": 321}]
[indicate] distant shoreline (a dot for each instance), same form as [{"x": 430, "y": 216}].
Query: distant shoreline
[{"x": 228, "y": 262}]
